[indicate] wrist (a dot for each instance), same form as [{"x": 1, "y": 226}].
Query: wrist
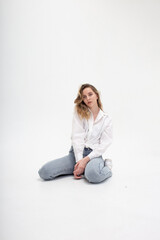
[{"x": 86, "y": 159}]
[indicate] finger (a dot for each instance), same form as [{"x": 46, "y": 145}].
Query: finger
[
  {"x": 77, "y": 177},
  {"x": 75, "y": 167},
  {"x": 76, "y": 172}
]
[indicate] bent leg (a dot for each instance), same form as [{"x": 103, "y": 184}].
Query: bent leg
[
  {"x": 96, "y": 172},
  {"x": 57, "y": 167}
]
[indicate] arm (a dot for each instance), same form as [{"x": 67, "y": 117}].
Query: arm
[
  {"x": 80, "y": 167},
  {"x": 105, "y": 140},
  {"x": 77, "y": 136}
]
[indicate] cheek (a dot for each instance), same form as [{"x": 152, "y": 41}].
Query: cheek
[{"x": 95, "y": 98}]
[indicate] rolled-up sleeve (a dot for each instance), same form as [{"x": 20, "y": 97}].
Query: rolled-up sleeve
[
  {"x": 77, "y": 136},
  {"x": 105, "y": 140}
]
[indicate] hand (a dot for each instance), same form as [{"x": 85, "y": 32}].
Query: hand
[
  {"x": 78, "y": 172},
  {"x": 80, "y": 167}
]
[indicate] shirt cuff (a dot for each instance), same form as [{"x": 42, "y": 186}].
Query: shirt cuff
[{"x": 91, "y": 155}]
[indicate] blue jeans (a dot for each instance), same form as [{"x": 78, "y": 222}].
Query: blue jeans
[{"x": 95, "y": 171}]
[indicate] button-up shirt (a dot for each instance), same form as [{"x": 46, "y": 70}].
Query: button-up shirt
[{"x": 95, "y": 134}]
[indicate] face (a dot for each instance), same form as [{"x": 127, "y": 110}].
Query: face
[{"x": 89, "y": 97}]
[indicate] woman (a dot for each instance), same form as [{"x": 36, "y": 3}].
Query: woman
[{"x": 91, "y": 137}]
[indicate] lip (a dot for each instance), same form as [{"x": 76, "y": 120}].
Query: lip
[{"x": 89, "y": 102}]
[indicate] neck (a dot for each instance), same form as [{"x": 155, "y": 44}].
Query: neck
[{"x": 94, "y": 109}]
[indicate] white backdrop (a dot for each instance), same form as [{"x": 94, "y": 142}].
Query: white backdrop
[{"x": 48, "y": 49}]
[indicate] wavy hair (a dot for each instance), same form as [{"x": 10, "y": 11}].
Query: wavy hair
[{"x": 81, "y": 107}]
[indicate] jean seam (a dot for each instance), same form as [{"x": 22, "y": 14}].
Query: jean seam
[{"x": 107, "y": 173}]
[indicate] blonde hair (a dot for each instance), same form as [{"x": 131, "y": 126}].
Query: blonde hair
[{"x": 81, "y": 107}]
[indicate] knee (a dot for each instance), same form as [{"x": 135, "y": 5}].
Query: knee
[
  {"x": 44, "y": 173},
  {"x": 93, "y": 176}
]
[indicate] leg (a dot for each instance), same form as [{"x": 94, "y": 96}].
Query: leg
[
  {"x": 60, "y": 166},
  {"x": 96, "y": 172}
]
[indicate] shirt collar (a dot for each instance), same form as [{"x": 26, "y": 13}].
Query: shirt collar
[{"x": 99, "y": 116}]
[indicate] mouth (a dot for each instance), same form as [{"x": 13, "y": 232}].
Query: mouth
[{"x": 89, "y": 102}]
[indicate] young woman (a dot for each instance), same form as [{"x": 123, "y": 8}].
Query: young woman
[{"x": 91, "y": 137}]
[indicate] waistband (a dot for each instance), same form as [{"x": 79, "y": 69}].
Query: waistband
[{"x": 85, "y": 148}]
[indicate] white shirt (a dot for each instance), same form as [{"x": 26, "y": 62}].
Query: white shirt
[{"x": 96, "y": 135}]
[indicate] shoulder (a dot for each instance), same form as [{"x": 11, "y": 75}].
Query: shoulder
[
  {"x": 76, "y": 115},
  {"x": 75, "y": 111},
  {"x": 108, "y": 118},
  {"x": 105, "y": 114}
]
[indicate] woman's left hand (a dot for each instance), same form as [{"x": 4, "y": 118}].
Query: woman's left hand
[
  {"x": 79, "y": 168},
  {"x": 78, "y": 172}
]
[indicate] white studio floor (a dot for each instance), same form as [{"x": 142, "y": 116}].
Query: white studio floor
[{"x": 126, "y": 206}]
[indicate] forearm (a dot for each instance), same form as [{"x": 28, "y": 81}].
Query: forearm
[{"x": 86, "y": 159}]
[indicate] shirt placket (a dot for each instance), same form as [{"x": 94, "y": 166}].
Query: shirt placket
[{"x": 90, "y": 128}]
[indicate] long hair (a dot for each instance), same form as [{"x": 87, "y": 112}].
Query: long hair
[{"x": 81, "y": 107}]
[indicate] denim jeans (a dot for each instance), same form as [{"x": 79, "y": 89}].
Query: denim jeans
[{"x": 95, "y": 170}]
